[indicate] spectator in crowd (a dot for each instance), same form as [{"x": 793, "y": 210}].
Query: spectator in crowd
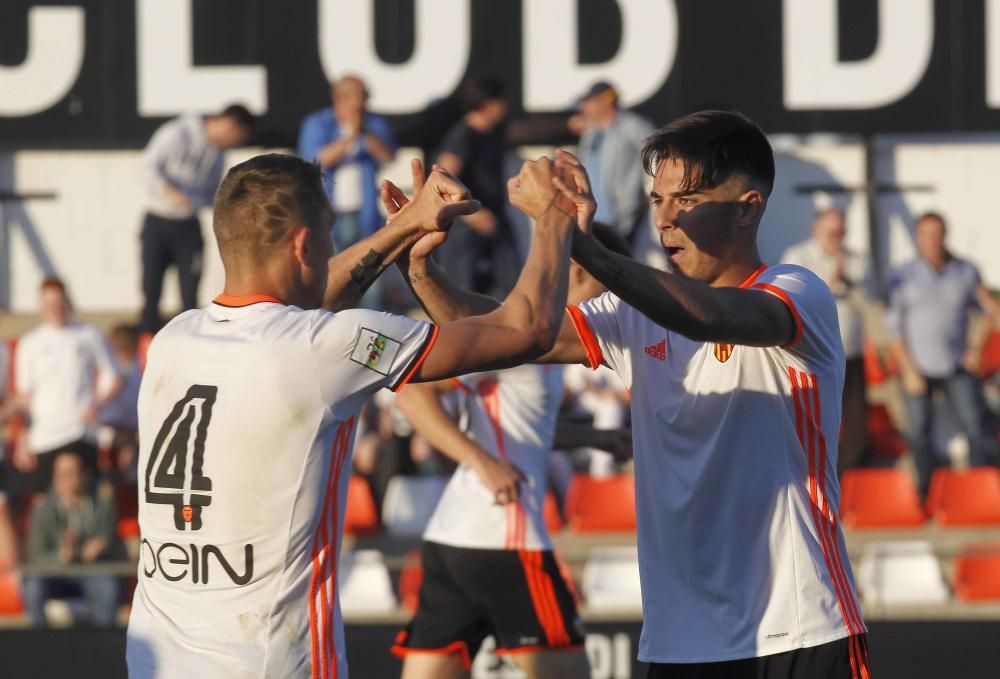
[
  {"x": 932, "y": 299},
  {"x": 610, "y": 141},
  {"x": 847, "y": 274},
  {"x": 72, "y": 525},
  {"x": 119, "y": 418},
  {"x": 483, "y": 256},
  {"x": 183, "y": 163},
  {"x": 351, "y": 144},
  {"x": 64, "y": 377}
]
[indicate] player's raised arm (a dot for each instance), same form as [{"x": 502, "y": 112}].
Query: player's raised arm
[
  {"x": 446, "y": 302},
  {"x": 354, "y": 270},
  {"x": 528, "y": 322},
  {"x": 688, "y": 219}
]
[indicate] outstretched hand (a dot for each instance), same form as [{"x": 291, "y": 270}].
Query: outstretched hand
[
  {"x": 453, "y": 201},
  {"x": 437, "y": 200},
  {"x": 574, "y": 184}
]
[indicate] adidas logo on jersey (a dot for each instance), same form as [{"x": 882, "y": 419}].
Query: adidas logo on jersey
[{"x": 658, "y": 351}]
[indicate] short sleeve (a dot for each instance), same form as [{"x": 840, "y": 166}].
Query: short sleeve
[
  {"x": 598, "y": 322},
  {"x": 813, "y": 309},
  {"x": 359, "y": 351},
  {"x": 23, "y": 373}
]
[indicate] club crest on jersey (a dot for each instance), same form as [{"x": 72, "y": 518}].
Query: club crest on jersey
[
  {"x": 375, "y": 351},
  {"x": 723, "y": 352}
]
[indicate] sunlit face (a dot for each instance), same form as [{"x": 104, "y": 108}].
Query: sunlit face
[
  {"x": 698, "y": 228},
  {"x": 53, "y": 306},
  {"x": 930, "y": 239},
  {"x": 829, "y": 230},
  {"x": 349, "y": 96}
]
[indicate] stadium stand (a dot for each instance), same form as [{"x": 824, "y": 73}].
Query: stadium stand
[
  {"x": 879, "y": 498},
  {"x": 597, "y": 505},
  {"x": 10, "y": 592},
  {"x": 361, "y": 516},
  {"x": 884, "y": 439},
  {"x": 901, "y": 573},
  {"x": 977, "y": 574},
  {"x": 409, "y": 503},
  {"x": 965, "y": 498},
  {"x": 365, "y": 586},
  {"x": 611, "y": 579},
  {"x": 550, "y": 512}
]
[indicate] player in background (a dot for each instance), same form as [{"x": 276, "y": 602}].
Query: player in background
[
  {"x": 487, "y": 555},
  {"x": 247, "y": 415},
  {"x": 735, "y": 371}
]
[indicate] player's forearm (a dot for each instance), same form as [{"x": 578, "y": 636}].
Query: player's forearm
[
  {"x": 680, "y": 304},
  {"x": 443, "y": 301},
  {"x": 354, "y": 270},
  {"x": 537, "y": 303},
  {"x": 421, "y": 405},
  {"x": 897, "y": 347}
]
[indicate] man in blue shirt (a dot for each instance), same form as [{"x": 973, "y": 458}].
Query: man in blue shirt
[
  {"x": 932, "y": 299},
  {"x": 350, "y": 143}
]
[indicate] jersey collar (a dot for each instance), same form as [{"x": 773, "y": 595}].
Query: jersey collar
[
  {"x": 752, "y": 277},
  {"x": 237, "y": 301}
]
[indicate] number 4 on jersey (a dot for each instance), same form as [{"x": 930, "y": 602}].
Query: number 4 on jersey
[{"x": 169, "y": 457}]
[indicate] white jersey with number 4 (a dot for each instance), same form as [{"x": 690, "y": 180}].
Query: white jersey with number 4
[
  {"x": 512, "y": 414},
  {"x": 247, "y": 414},
  {"x": 740, "y": 553}
]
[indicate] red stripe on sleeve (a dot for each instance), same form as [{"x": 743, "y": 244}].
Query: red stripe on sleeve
[{"x": 595, "y": 357}]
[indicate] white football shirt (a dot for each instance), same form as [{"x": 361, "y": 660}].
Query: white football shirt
[
  {"x": 512, "y": 414},
  {"x": 60, "y": 370},
  {"x": 247, "y": 415},
  {"x": 740, "y": 552}
]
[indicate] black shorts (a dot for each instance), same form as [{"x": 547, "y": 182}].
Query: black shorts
[
  {"x": 845, "y": 658},
  {"x": 519, "y": 597}
]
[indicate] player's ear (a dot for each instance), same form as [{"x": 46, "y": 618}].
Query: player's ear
[
  {"x": 751, "y": 208},
  {"x": 301, "y": 245}
]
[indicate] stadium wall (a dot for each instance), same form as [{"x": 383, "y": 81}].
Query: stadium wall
[{"x": 87, "y": 231}]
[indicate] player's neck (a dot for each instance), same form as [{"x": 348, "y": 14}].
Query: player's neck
[{"x": 738, "y": 271}]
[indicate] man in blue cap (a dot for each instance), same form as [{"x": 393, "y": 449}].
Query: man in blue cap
[{"x": 610, "y": 142}]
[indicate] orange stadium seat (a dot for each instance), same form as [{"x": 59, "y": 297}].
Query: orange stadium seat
[
  {"x": 550, "y": 512},
  {"x": 875, "y": 370},
  {"x": 143, "y": 347},
  {"x": 411, "y": 577},
  {"x": 965, "y": 498},
  {"x": 989, "y": 363},
  {"x": 879, "y": 498},
  {"x": 977, "y": 574},
  {"x": 10, "y": 591},
  {"x": 884, "y": 439},
  {"x": 361, "y": 517},
  {"x": 128, "y": 528},
  {"x": 596, "y": 505}
]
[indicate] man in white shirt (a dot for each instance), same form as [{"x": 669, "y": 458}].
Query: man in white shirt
[
  {"x": 64, "y": 375},
  {"x": 847, "y": 274},
  {"x": 183, "y": 165},
  {"x": 247, "y": 414},
  {"x": 735, "y": 372}
]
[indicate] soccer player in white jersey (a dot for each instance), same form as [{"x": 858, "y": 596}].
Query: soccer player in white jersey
[
  {"x": 247, "y": 414},
  {"x": 735, "y": 371},
  {"x": 488, "y": 564}
]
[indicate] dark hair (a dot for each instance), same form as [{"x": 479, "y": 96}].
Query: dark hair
[
  {"x": 52, "y": 283},
  {"x": 124, "y": 338},
  {"x": 481, "y": 90},
  {"x": 712, "y": 145},
  {"x": 264, "y": 197},
  {"x": 240, "y": 115},
  {"x": 611, "y": 239},
  {"x": 932, "y": 214}
]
